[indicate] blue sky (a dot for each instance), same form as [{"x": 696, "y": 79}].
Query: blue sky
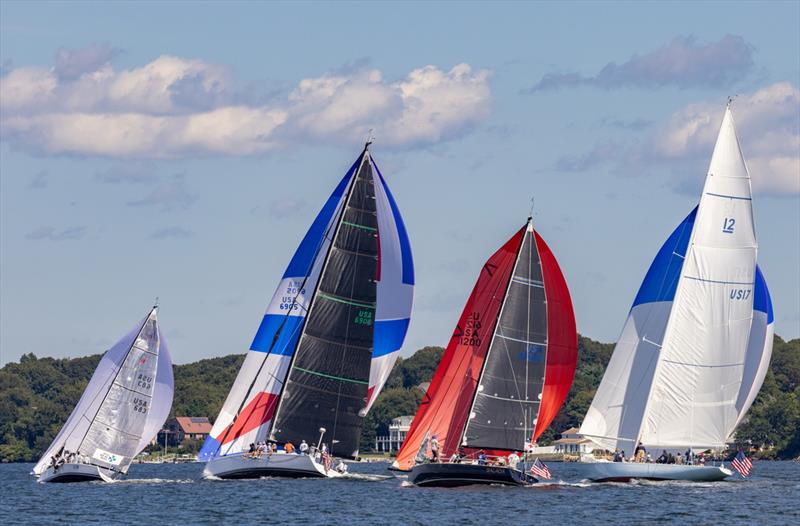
[{"x": 181, "y": 151}]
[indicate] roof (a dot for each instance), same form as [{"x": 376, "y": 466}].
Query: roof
[
  {"x": 572, "y": 441},
  {"x": 424, "y": 386},
  {"x": 194, "y": 424},
  {"x": 403, "y": 420},
  {"x": 571, "y": 431}
]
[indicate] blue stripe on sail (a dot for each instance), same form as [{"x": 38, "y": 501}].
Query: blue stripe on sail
[
  {"x": 662, "y": 278},
  {"x": 405, "y": 246},
  {"x": 761, "y": 299},
  {"x": 209, "y": 449},
  {"x": 389, "y": 336},
  {"x": 286, "y": 341},
  {"x": 303, "y": 258}
]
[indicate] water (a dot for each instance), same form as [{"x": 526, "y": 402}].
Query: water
[{"x": 155, "y": 494}]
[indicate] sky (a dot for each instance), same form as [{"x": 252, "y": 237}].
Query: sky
[{"x": 180, "y": 151}]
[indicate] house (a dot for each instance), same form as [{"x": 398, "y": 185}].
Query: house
[
  {"x": 182, "y": 428},
  {"x": 572, "y": 442},
  {"x": 398, "y": 430}
]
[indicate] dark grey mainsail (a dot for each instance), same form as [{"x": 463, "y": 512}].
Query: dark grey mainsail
[
  {"x": 328, "y": 379},
  {"x": 509, "y": 390}
]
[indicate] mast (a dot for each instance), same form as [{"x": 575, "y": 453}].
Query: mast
[{"x": 312, "y": 303}]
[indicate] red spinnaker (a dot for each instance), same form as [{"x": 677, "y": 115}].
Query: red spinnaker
[
  {"x": 445, "y": 407},
  {"x": 562, "y": 339}
]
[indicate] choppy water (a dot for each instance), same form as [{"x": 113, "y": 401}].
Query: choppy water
[{"x": 155, "y": 494}]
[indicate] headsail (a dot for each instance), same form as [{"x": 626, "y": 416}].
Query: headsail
[
  {"x": 494, "y": 388},
  {"x": 384, "y": 269},
  {"x": 695, "y": 348},
  {"x": 700, "y": 368},
  {"x": 125, "y": 403}
]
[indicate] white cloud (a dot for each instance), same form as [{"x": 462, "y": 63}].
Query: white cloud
[
  {"x": 683, "y": 62},
  {"x": 768, "y": 124},
  {"x": 173, "y": 107}
]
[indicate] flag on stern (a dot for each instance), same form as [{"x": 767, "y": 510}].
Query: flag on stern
[
  {"x": 540, "y": 469},
  {"x": 742, "y": 464}
]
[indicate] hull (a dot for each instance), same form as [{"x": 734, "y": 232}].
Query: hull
[
  {"x": 627, "y": 471},
  {"x": 454, "y": 475},
  {"x": 275, "y": 465},
  {"x": 78, "y": 473}
]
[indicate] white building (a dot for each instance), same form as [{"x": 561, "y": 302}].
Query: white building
[
  {"x": 573, "y": 443},
  {"x": 398, "y": 430}
]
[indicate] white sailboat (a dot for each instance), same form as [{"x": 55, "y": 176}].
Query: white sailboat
[
  {"x": 697, "y": 342},
  {"x": 124, "y": 405}
]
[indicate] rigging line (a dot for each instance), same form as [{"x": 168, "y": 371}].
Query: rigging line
[
  {"x": 278, "y": 331},
  {"x": 461, "y": 358},
  {"x": 345, "y": 203},
  {"x": 494, "y": 330},
  {"x": 116, "y": 375},
  {"x": 528, "y": 323},
  {"x": 651, "y": 312}
]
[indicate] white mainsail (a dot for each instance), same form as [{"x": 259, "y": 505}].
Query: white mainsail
[
  {"x": 694, "y": 351},
  {"x": 125, "y": 403}
]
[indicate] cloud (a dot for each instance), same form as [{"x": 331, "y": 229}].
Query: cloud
[
  {"x": 767, "y": 124},
  {"x": 631, "y": 125},
  {"x": 130, "y": 172},
  {"x": 286, "y": 207},
  {"x": 170, "y": 195},
  {"x": 40, "y": 180},
  {"x": 176, "y": 107},
  {"x": 172, "y": 232},
  {"x": 70, "y": 64},
  {"x": 683, "y": 63},
  {"x": 52, "y": 234}
]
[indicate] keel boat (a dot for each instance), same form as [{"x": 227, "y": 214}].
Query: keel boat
[
  {"x": 697, "y": 342},
  {"x": 327, "y": 342},
  {"x": 503, "y": 377},
  {"x": 121, "y": 410}
]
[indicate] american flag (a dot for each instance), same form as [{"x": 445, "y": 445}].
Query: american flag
[
  {"x": 539, "y": 469},
  {"x": 742, "y": 464}
]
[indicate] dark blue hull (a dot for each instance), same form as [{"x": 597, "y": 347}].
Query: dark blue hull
[{"x": 455, "y": 475}]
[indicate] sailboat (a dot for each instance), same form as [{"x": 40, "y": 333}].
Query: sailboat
[
  {"x": 503, "y": 377},
  {"x": 697, "y": 342},
  {"x": 327, "y": 342},
  {"x": 121, "y": 410}
]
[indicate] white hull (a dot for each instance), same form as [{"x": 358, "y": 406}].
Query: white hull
[
  {"x": 275, "y": 465},
  {"x": 626, "y": 471},
  {"x": 78, "y": 473}
]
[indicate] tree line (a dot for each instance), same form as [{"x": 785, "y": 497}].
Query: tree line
[{"x": 38, "y": 394}]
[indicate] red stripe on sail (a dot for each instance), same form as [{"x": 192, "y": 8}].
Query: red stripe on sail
[
  {"x": 445, "y": 407},
  {"x": 562, "y": 339},
  {"x": 258, "y": 412}
]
